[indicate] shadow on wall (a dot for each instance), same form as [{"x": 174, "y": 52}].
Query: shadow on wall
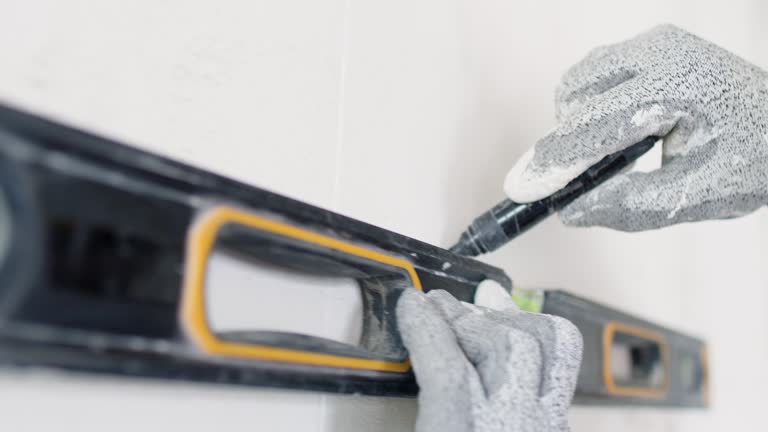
[{"x": 358, "y": 413}]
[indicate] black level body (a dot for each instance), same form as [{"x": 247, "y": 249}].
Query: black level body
[{"x": 97, "y": 275}]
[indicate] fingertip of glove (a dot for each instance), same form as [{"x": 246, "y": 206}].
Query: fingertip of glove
[
  {"x": 518, "y": 185},
  {"x": 448, "y": 305},
  {"x": 523, "y": 184},
  {"x": 441, "y": 296},
  {"x": 568, "y": 331},
  {"x": 492, "y": 295},
  {"x": 409, "y": 300}
]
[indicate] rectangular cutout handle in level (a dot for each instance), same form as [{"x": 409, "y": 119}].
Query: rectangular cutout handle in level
[
  {"x": 381, "y": 278},
  {"x": 635, "y": 361}
]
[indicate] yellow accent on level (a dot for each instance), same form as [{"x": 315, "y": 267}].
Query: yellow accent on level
[
  {"x": 704, "y": 359},
  {"x": 610, "y": 385},
  {"x": 200, "y": 242}
]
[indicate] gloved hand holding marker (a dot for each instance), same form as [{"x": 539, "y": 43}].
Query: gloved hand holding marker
[
  {"x": 709, "y": 106},
  {"x": 509, "y": 219},
  {"x": 507, "y": 370}
]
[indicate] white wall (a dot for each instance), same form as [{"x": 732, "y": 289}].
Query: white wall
[{"x": 401, "y": 113}]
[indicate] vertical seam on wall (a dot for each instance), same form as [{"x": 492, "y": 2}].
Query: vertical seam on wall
[
  {"x": 323, "y": 425},
  {"x": 341, "y": 107}
]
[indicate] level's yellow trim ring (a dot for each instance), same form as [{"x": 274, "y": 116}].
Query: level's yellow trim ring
[
  {"x": 704, "y": 358},
  {"x": 200, "y": 242},
  {"x": 618, "y": 390}
]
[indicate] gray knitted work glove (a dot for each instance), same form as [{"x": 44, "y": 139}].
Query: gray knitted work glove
[
  {"x": 710, "y": 106},
  {"x": 485, "y": 370}
]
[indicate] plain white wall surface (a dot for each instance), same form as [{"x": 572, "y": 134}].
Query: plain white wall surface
[{"x": 404, "y": 114}]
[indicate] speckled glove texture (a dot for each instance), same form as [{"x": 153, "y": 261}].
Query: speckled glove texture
[
  {"x": 486, "y": 370},
  {"x": 710, "y": 106}
]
